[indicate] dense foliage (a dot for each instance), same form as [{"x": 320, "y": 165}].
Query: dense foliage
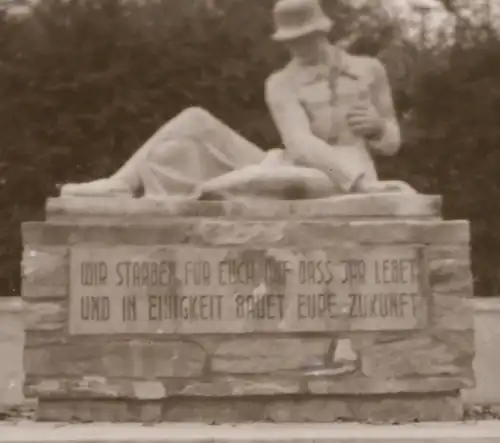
[{"x": 83, "y": 84}]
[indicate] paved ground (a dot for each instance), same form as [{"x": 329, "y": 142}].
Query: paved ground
[{"x": 29, "y": 432}]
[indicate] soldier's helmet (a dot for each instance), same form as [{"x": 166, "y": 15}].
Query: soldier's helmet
[{"x": 297, "y": 18}]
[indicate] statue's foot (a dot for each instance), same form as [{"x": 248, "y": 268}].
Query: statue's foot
[
  {"x": 104, "y": 187},
  {"x": 389, "y": 186}
]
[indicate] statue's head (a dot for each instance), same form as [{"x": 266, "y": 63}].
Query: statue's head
[{"x": 300, "y": 24}]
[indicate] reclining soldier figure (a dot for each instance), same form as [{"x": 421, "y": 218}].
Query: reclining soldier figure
[{"x": 333, "y": 110}]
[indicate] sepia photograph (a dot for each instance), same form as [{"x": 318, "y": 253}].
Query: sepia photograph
[{"x": 233, "y": 221}]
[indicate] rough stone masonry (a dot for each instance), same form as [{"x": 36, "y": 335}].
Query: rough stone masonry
[{"x": 350, "y": 308}]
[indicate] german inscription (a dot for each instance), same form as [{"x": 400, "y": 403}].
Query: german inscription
[{"x": 154, "y": 290}]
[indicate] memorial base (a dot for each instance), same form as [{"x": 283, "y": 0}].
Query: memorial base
[{"x": 351, "y": 309}]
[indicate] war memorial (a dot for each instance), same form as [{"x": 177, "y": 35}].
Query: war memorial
[{"x": 209, "y": 281}]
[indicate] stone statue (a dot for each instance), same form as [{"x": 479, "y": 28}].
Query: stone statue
[{"x": 333, "y": 110}]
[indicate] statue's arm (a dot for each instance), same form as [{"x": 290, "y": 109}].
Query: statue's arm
[
  {"x": 389, "y": 141},
  {"x": 305, "y": 148}
]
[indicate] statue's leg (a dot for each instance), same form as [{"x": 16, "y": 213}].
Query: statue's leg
[
  {"x": 191, "y": 149},
  {"x": 188, "y": 150}
]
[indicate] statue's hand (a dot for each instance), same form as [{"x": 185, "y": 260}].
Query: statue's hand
[{"x": 365, "y": 121}]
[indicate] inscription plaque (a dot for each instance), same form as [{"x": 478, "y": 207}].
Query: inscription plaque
[{"x": 188, "y": 290}]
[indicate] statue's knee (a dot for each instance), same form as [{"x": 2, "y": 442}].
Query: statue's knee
[
  {"x": 154, "y": 155},
  {"x": 197, "y": 115}
]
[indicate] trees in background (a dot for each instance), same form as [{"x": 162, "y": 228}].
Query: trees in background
[{"x": 84, "y": 83}]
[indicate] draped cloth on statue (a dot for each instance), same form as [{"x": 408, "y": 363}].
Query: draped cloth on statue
[
  {"x": 192, "y": 149},
  {"x": 196, "y": 149}
]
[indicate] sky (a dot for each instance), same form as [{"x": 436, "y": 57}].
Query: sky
[{"x": 437, "y": 18}]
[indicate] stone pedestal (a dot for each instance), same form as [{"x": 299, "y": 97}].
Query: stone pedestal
[{"x": 351, "y": 308}]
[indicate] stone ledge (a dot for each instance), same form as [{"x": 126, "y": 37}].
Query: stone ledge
[
  {"x": 28, "y": 432},
  {"x": 245, "y": 233},
  {"x": 90, "y": 209},
  {"x": 411, "y": 408}
]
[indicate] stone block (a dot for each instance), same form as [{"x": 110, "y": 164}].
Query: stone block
[
  {"x": 95, "y": 387},
  {"x": 452, "y": 312},
  {"x": 83, "y": 410},
  {"x": 267, "y": 355},
  {"x": 450, "y": 275},
  {"x": 367, "y": 409},
  {"x": 406, "y": 356},
  {"x": 325, "y": 233},
  {"x": 45, "y": 388},
  {"x": 461, "y": 253},
  {"x": 45, "y": 272},
  {"x": 43, "y": 339},
  {"x": 77, "y": 388},
  {"x": 358, "y": 384},
  {"x": 141, "y": 359},
  {"x": 148, "y": 390},
  {"x": 228, "y": 386},
  {"x": 450, "y": 281},
  {"x": 208, "y": 410},
  {"x": 45, "y": 316}
]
